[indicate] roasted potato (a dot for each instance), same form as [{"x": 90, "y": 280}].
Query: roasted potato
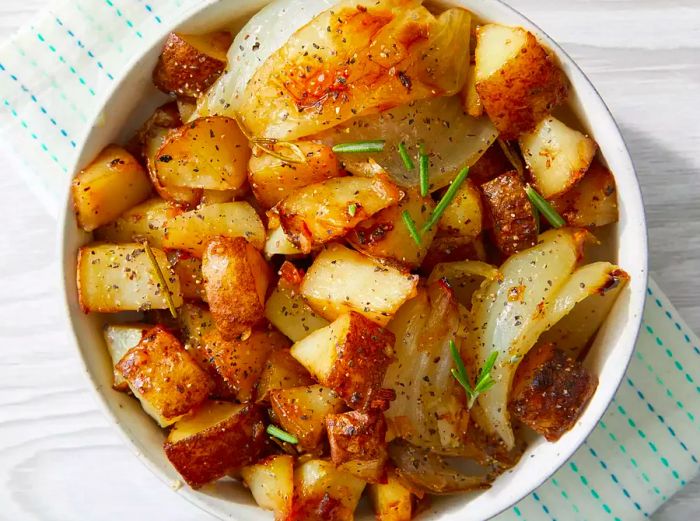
[
  {"x": 386, "y": 236},
  {"x": 189, "y": 272},
  {"x": 358, "y": 444},
  {"x": 350, "y": 356},
  {"x": 218, "y": 439},
  {"x": 273, "y": 179},
  {"x": 490, "y": 165},
  {"x": 517, "y": 79},
  {"x": 550, "y": 391},
  {"x": 147, "y": 220},
  {"x": 107, "y": 187},
  {"x": 277, "y": 243},
  {"x": 557, "y": 156},
  {"x": 471, "y": 102},
  {"x": 321, "y": 212},
  {"x": 188, "y": 64},
  {"x": 301, "y": 411},
  {"x": 210, "y": 153},
  {"x": 511, "y": 213},
  {"x": 463, "y": 217},
  {"x": 392, "y": 501},
  {"x": 120, "y": 338},
  {"x": 191, "y": 231},
  {"x": 450, "y": 249},
  {"x": 271, "y": 481},
  {"x": 342, "y": 280},
  {"x": 281, "y": 371},
  {"x": 324, "y": 493},
  {"x": 164, "y": 377},
  {"x": 121, "y": 277},
  {"x": 235, "y": 280}
]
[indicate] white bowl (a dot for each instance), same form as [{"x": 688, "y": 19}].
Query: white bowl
[{"x": 134, "y": 97}]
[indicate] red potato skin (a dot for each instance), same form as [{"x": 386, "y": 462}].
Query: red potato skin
[{"x": 490, "y": 165}]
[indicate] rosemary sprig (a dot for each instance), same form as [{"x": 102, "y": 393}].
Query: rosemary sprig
[
  {"x": 359, "y": 147},
  {"x": 405, "y": 157},
  {"x": 483, "y": 383},
  {"x": 411, "y": 225},
  {"x": 543, "y": 206},
  {"x": 161, "y": 279},
  {"x": 423, "y": 163},
  {"x": 446, "y": 199},
  {"x": 278, "y": 433}
]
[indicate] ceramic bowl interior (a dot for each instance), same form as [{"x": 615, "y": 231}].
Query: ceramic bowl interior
[{"x": 133, "y": 100}]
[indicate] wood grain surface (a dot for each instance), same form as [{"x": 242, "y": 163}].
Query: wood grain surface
[{"x": 59, "y": 459}]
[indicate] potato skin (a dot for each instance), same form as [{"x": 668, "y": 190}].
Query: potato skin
[
  {"x": 550, "y": 391},
  {"x": 490, "y": 165},
  {"x": 221, "y": 449},
  {"x": 235, "y": 280},
  {"x": 514, "y": 225}
]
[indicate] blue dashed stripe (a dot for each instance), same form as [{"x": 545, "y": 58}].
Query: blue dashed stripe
[{"x": 88, "y": 51}]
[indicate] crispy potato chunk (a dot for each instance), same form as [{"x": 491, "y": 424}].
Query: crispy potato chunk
[
  {"x": 273, "y": 179},
  {"x": 512, "y": 215},
  {"x": 210, "y": 153},
  {"x": 350, "y": 356},
  {"x": 342, "y": 280},
  {"x": 119, "y": 339},
  {"x": 107, "y": 187},
  {"x": 385, "y": 235},
  {"x": 235, "y": 279},
  {"x": 147, "y": 220},
  {"x": 164, "y": 377},
  {"x": 218, "y": 439},
  {"x": 301, "y": 412},
  {"x": 189, "y": 64},
  {"x": 191, "y": 231},
  {"x": 592, "y": 201},
  {"x": 463, "y": 217},
  {"x": 550, "y": 391},
  {"x": 358, "y": 444},
  {"x": 281, "y": 371},
  {"x": 556, "y": 155},
  {"x": 121, "y": 277},
  {"x": 324, "y": 493},
  {"x": 391, "y": 500},
  {"x": 518, "y": 80},
  {"x": 189, "y": 271},
  {"x": 321, "y": 212},
  {"x": 271, "y": 481}
]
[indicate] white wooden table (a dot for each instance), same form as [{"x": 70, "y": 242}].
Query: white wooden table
[{"x": 59, "y": 459}]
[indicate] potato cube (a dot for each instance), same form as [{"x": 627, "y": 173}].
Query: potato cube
[
  {"x": 164, "y": 377},
  {"x": 281, "y": 371},
  {"x": 512, "y": 215},
  {"x": 301, "y": 412},
  {"x": 273, "y": 179},
  {"x": 189, "y": 271},
  {"x": 321, "y": 212},
  {"x": 358, "y": 444},
  {"x": 147, "y": 220},
  {"x": 391, "y": 500},
  {"x": 189, "y": 64},
  {"x": 120, "y": 338},
  {"x": 235, "y": 280},
  {"x": 324, "y": 493},
  {"x": 271, "y": 481},
  {"x": 121, "y": 277},
  {"x": 463, "y": 217},
  {"x": 350, "y": 356},
  {"x": 556, "y": 155},
  {"x": 517, "y": 79},
  {"x": 220, "y": 438},
  {"x": 107, "y": 187},
  {"x": 342, "y": 280},
  {"x": 191, "y": 231},
  {"x": 550, "y": 391}
]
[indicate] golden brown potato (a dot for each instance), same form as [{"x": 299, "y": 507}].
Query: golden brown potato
[
  {"x": 191, "y": 231},
  {"x": 189, "y": 64},
  {"x": 342, "y": 280},
  {"x": 119, "y": 339},
  {"x": 490, "y": 165},
  {"x": 556, "y": 155},
  {"x": 386, "y": 236},
  {"x": 358, "y": 444},
  {"x": 235, "y": 279},
  {"x": 273, "y": 179},
  {"x": 147, "y": 220},
  {"x": 391, "y": 500},
  {"x": 210, "y": 153},
  {"x": 164, "y": 377},
  {"x": 350, "y": 356},
  {"x": 592, "y": 201},
  {"x": 107, "y": 187},
  {"x": 218, "y": 439},
  {"x": 189, "y": 271},
  {"x": 511, "y": 213},
  {"x": 121, "y": 277},
  {"x": 271, "y": 481},
  {"x": 463, "y": 217},
  {"x": 550, "y": 391},
  {"x": 321, "y": 212},
  {"x": 451, "y": 249},
  {"x": 324, "y": 493},
  {"x": 518, "y": 80},
  {"x": 281, "y": 371},
  {"x": 301, "y": 412}
]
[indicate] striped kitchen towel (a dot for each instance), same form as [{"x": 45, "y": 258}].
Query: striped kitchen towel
[{"x": 53, "y": 78}]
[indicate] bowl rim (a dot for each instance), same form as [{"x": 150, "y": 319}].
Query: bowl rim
[{"x": 636, "y": 301}]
